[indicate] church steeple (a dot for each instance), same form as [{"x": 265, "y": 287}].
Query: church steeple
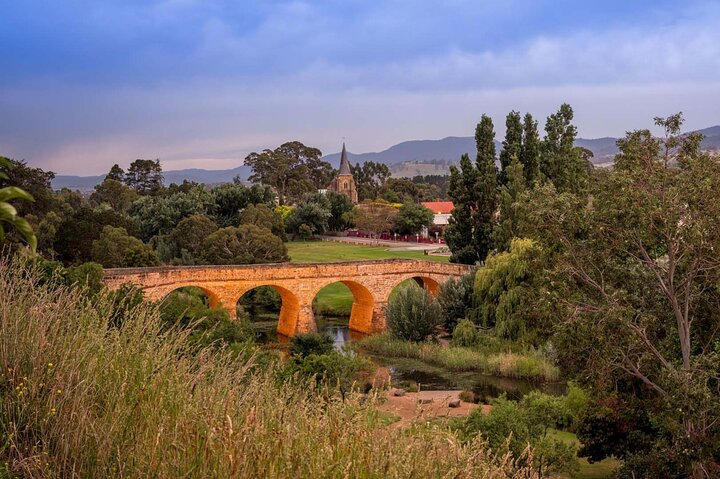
[{"x": 344, "y": 163}]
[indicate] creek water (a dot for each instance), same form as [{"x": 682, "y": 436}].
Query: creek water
[{"x": 413, "y": 374}]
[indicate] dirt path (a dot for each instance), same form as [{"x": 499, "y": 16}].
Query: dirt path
[{"x": 409, "y": 409}]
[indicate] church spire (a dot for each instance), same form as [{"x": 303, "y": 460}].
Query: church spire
[{"x": 344, "y": 163}]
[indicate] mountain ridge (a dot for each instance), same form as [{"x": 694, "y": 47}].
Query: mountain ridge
[{"x": 400, "y": 157}]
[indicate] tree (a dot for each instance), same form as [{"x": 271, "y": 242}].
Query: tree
[
  {"x": 34, "y": 181},
  {"x": 116, "y": 173},
  {"x": 412, "y": 314},
  {"x": 507, "y": 227},
  {"x": 474, "y": 193},
  {"x": 530, "y": 151},
  {"x": 375, "y": 216},
  {"x": 506, "y": 292},
  {"x": 512, "y": 144},
  {"x": 144, "y": 176},
  {"x": 370, "y": 177},
  {"x": 399, "y": 190},
  {"x": 79, "y": 229},
  {"x": 560, "y": 161},
  {"x": 291, "y": 169},
  {"x": 8, "y": 213},
  {"x": 117, "y": 249},
  {"x": 189, "y": 234},
  {"x": 341, "y": 207},
  {"x": 313, "y": 211},
  {"x": 246, "y": 244},
  {"x": 455, "y": 299},
  {"x": 412, "y": 218},
  {"x": 115, "y": 194},
  {"x": 642, "y": 269},
  {"x": 231, "y": 198},
  {"x": 263, "y": 216},
  {"x": 159, "y": 214}
]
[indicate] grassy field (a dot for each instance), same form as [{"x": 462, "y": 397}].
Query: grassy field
[
  {"x": 336, "y": 299},
  {"x": 328, "y": 252}
]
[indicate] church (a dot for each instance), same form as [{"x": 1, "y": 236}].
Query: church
[{"x": 344, "y": 182}]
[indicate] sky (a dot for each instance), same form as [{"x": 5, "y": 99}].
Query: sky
[{"x": 202, "y": 83}]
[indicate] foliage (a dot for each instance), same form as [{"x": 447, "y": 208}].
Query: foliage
[
  {"x": 639, "y": 262},
  {"x": 34, "y": 181},
  {"x": 117, "y": 249},
  {"x": 314, "y": 211},
  {"x": 8, "y": 213},
  {"x": 455, "y": 298},
  {"x": 511, "y": 145},
  {"x": 337, "y": 369},
  {"x": 375, "y": 216},
  {"x": 473, "y": 191},
  {"x": 231, "y": 198},
  {"x": 263, "y": 216},
  {"x": 116, "y": 173},
  {"x": 186, "y": 239},
  {"x": 504, "y": 290},
  {"x": 370, "y": 178},
  {"x": 303, "y": 345},
  {"x": 530, "y": 150},
  {"x": 340, "y": 208},
  {"x": 80, "y": 228},
  {"x": 115, "y": 194},
  {"x": 160, "y": 214},
  {"x": 246, "y": 244},
  {"x": 412, "y": 314},
  {"x": 412, "y": 217},
  {"x": 510, "y": 208},
  {"x": 292, "y": 169},
  {"x": 465, "y": 334},
  {"x": 79, "y": 400},
  {"x": 144, "y": 176},
  {"x": 560, "y": 162},
  {"x": 524, "y": 423}
]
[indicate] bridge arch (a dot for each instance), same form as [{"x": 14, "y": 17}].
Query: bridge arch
[
  {"x": 289, "y": 309},
  {"x": 213, "y": 297},
  {"x": 363, "y": 306}
]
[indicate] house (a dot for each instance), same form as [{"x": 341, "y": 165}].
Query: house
[{"x": 442, "y": 211}]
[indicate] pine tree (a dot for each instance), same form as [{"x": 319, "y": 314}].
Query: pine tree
[
  {"x": 512, "y": 144},
  {"x": 507, "y": 226},
  {"x": 486, "y": 188},
  {"x": 530, "y": 152}
]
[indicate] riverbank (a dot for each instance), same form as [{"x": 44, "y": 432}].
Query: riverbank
[{"x": 505, "y": 364}]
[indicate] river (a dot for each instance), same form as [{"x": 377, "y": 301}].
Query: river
[{"x": 412, "y": 374}]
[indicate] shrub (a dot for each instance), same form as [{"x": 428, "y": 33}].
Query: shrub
[
  {"x": 413, "y": 314},
  {"x": 303, "y": 345},
  {"x": 525, "y": 422},
  {"x": 455, "y": 299},
  {"x": 246, "y": 244},
  {"x": 465, "y": 334}
]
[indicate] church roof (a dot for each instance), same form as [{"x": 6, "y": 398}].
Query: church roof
[{"x": 344, "y": 163}]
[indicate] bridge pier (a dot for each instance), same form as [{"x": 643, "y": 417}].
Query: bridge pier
[
  {"x": 379, "y": 319},
  {"x": 305, "y": 320}
]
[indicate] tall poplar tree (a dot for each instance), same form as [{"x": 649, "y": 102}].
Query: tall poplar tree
[
  {"x": 561, "y": 162},
  {"x": 530, "y": 151},
  {"x": 507, "y": 226},
  {"x": 512, "y": 144},
  {"x": 459, "y": 232},
  {"x": 486, "y": 188}
]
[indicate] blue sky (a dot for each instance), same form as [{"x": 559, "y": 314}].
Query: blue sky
[{"x": 201, "y": 83}]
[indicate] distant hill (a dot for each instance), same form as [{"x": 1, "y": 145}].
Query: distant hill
[{"x": 408, "y": 158}]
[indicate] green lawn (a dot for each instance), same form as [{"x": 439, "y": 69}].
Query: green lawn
[
  {"x": 597, "y": 470},
  {"x": 328, "y": 252},
  {"x": 336, "y": 299}
]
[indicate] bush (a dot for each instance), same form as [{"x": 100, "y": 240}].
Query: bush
[
  {"x": 525, "y": 422},
  {"x": 455, "y": 299},
  {"x": 303, "y": 345},
  {"x": 413, "y": 314},
  {"x": 465, "y": 334},
  {"x": 246, "y": 244}
]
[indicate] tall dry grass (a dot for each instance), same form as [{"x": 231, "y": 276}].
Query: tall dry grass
[
  {"x": 454, "y": 358},
  {"x": 78, "y": 399}
]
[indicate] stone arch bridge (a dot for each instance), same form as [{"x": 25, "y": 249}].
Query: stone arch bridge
[{"x": 370, "y": 282}]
